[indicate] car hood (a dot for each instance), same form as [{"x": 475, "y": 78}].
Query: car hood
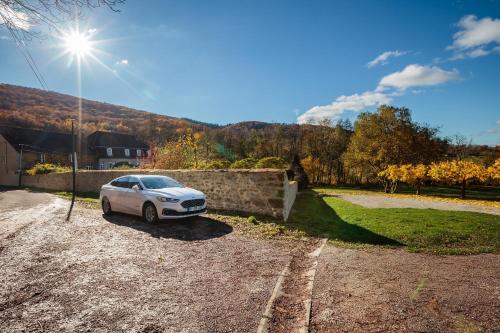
[{"x": 178, "y": 192}]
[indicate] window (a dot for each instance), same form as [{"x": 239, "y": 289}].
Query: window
[
  {"x": 120, "y": 182},
  {"x": 101, "y": 166},
  {"x": 159, "y": 182},
  {"x": 134, "y": 181},
  {"x": 127, "y": 152},
  {"x": 139, "y": 153},
  {"x": 109, "y": 151}
]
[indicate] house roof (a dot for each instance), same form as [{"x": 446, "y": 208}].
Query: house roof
[
  {"x": 37, "y": 140},
  {"x": 100, "y": 139}
]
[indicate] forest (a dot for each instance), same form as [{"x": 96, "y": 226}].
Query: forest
[{"x": 330, "y": 153}]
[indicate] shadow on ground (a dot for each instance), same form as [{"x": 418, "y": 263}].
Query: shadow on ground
[
  {"x": 311, "y": 215},
  {"x": 186, "y": 229}
]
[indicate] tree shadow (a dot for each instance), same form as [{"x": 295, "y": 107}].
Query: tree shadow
[
  {"x": 313, "y": 216},
  {"x": 186, "y": 229}
]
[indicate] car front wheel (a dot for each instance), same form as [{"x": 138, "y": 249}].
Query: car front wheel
[
  {"x": 149, "y": 213},
  {"x": 106, "y": 206}
]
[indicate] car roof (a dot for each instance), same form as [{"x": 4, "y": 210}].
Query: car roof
[{"x": 144, "y": 176}]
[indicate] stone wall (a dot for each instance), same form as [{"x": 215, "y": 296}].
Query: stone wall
[
  {"x": 290, "y": 193},
  {"x": 264, "y": 191}
]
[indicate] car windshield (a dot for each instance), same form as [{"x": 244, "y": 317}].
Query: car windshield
[{"x": 159, "y": 182}]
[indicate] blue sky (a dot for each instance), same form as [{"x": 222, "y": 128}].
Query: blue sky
[{"x": 286, "y": 61}]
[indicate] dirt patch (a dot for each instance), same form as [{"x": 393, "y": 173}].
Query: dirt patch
[
  {"x": 383, "y": 201},
  {"x": 385, "y": 290},
  {"x": 121, "y": 275},
  {"x": 289, "y": 309}
]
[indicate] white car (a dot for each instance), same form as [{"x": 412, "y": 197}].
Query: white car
[{"x": 152, "y": 197}]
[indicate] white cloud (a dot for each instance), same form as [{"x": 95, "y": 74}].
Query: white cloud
[
  {"x": 382, "y": 59},
  {"x": 17, "y": 19},
  {"x": 476, "y": 32},
  {"x": 418, "y": 76},
  {"x": 122, "y": 62},
  {"x": 390, "y": 86},
  {"x": 92, "y": 31},
  {"x": 354, "y": 102},
  {"x": 4, "y": 37},
  {"x": 474, "y": 37},
  {"x": 498, "y": 122}
]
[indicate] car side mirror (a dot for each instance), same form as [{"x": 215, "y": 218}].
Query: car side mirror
[{"x": 136, "y": 188}]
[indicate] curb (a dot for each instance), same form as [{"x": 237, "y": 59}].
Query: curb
[
  {"x": 264, "y": 321},
  {"x": 311, "y": 274}
]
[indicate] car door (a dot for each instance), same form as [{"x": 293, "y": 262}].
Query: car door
[
  {"x": 116, "y": 194},
  {"x": 133, "y": 198}
]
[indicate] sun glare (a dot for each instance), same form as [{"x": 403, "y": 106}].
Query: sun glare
[{"x": 78, "y": 44}]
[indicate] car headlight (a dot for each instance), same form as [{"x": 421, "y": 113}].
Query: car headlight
[{"x": 167, "y": 199}]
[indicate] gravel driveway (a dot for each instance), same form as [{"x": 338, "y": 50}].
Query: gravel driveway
[
  {"x": 385, "y": 290},
  {"x": 385, "y": 201},
  {"x": 121, "y": 275}
]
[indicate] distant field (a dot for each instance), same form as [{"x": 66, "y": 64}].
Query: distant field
[
  {"x": 474, "y": 192},
  {"x": 420, "y": 230}
]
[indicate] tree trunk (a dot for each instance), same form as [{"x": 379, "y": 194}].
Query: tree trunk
[
  {"x": 418, "y": 188},
  {"x": 462, "y": 194},
  {"x": 386, "y": 186}
]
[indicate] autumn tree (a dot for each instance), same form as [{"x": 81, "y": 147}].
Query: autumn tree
[
  {"x": 391, "y": 177},
  {"x": 390, "y": 137},
  {"x": 494, "y": 170},
  {"x": 457, "y": 172},
  {"x": 414, "y": 175}
]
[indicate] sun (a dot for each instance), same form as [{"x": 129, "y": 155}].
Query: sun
[{"x": 77, "y": 44}]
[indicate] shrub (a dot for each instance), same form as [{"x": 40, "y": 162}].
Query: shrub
[
  {"x": 299, "y": 174},
  {"x": 271, "y": 163},
  {"x": 123, "y": 166},
  {"x": 246, "y": 163},
  {"x": 44, "y": 168},
  {"x": 214, "y": 164},
  {"x": 252, "y": 219}
]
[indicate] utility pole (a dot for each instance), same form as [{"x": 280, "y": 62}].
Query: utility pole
[
  {"x": 73, "y": 153},
  {"x": 73, "y": 167},
  {"x": 20, "y": 164}
]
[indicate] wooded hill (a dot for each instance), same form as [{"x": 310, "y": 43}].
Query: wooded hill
[
  {"x": 330, "y": 152},
  {"x": 35, "y": 108}
]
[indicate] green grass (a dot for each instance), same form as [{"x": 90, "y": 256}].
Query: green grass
[
  {"x": 418, "y": 230},
  {"x": 91, "y": 198},
  {"x": 473, "y": 192}
]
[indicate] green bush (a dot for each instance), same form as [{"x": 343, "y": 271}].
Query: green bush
[
  {"x": 123, "y": 166},
  {"x": 214, "y": 164},
  {"x": 43, "y": 168},
  {"x": 271, "y": 163},
  {"x": 252, "y": 219},
  {"x": 246, "y": 163}
]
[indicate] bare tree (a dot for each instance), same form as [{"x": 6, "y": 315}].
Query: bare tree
[
  {"x": 20, "y": 16},
  {"x": 24, "y": 19}
]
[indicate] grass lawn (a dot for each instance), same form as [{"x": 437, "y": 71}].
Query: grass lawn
[
  {"x": 421, "y": 230},
  {"x": 90, "y": 199},
  {"x": 473, "y": 192}
]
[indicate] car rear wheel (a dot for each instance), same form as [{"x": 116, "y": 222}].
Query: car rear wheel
[
  {"x": 106, "y": 206},
  {"x": 149, "y": 213}
]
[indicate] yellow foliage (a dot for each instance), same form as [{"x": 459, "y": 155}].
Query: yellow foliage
[
  {"x": 412, "y": 174},
  {"x": 392, "y": 173},
  {"x": 494, "y": 170},
  {"x": 457, "y": 172}
]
